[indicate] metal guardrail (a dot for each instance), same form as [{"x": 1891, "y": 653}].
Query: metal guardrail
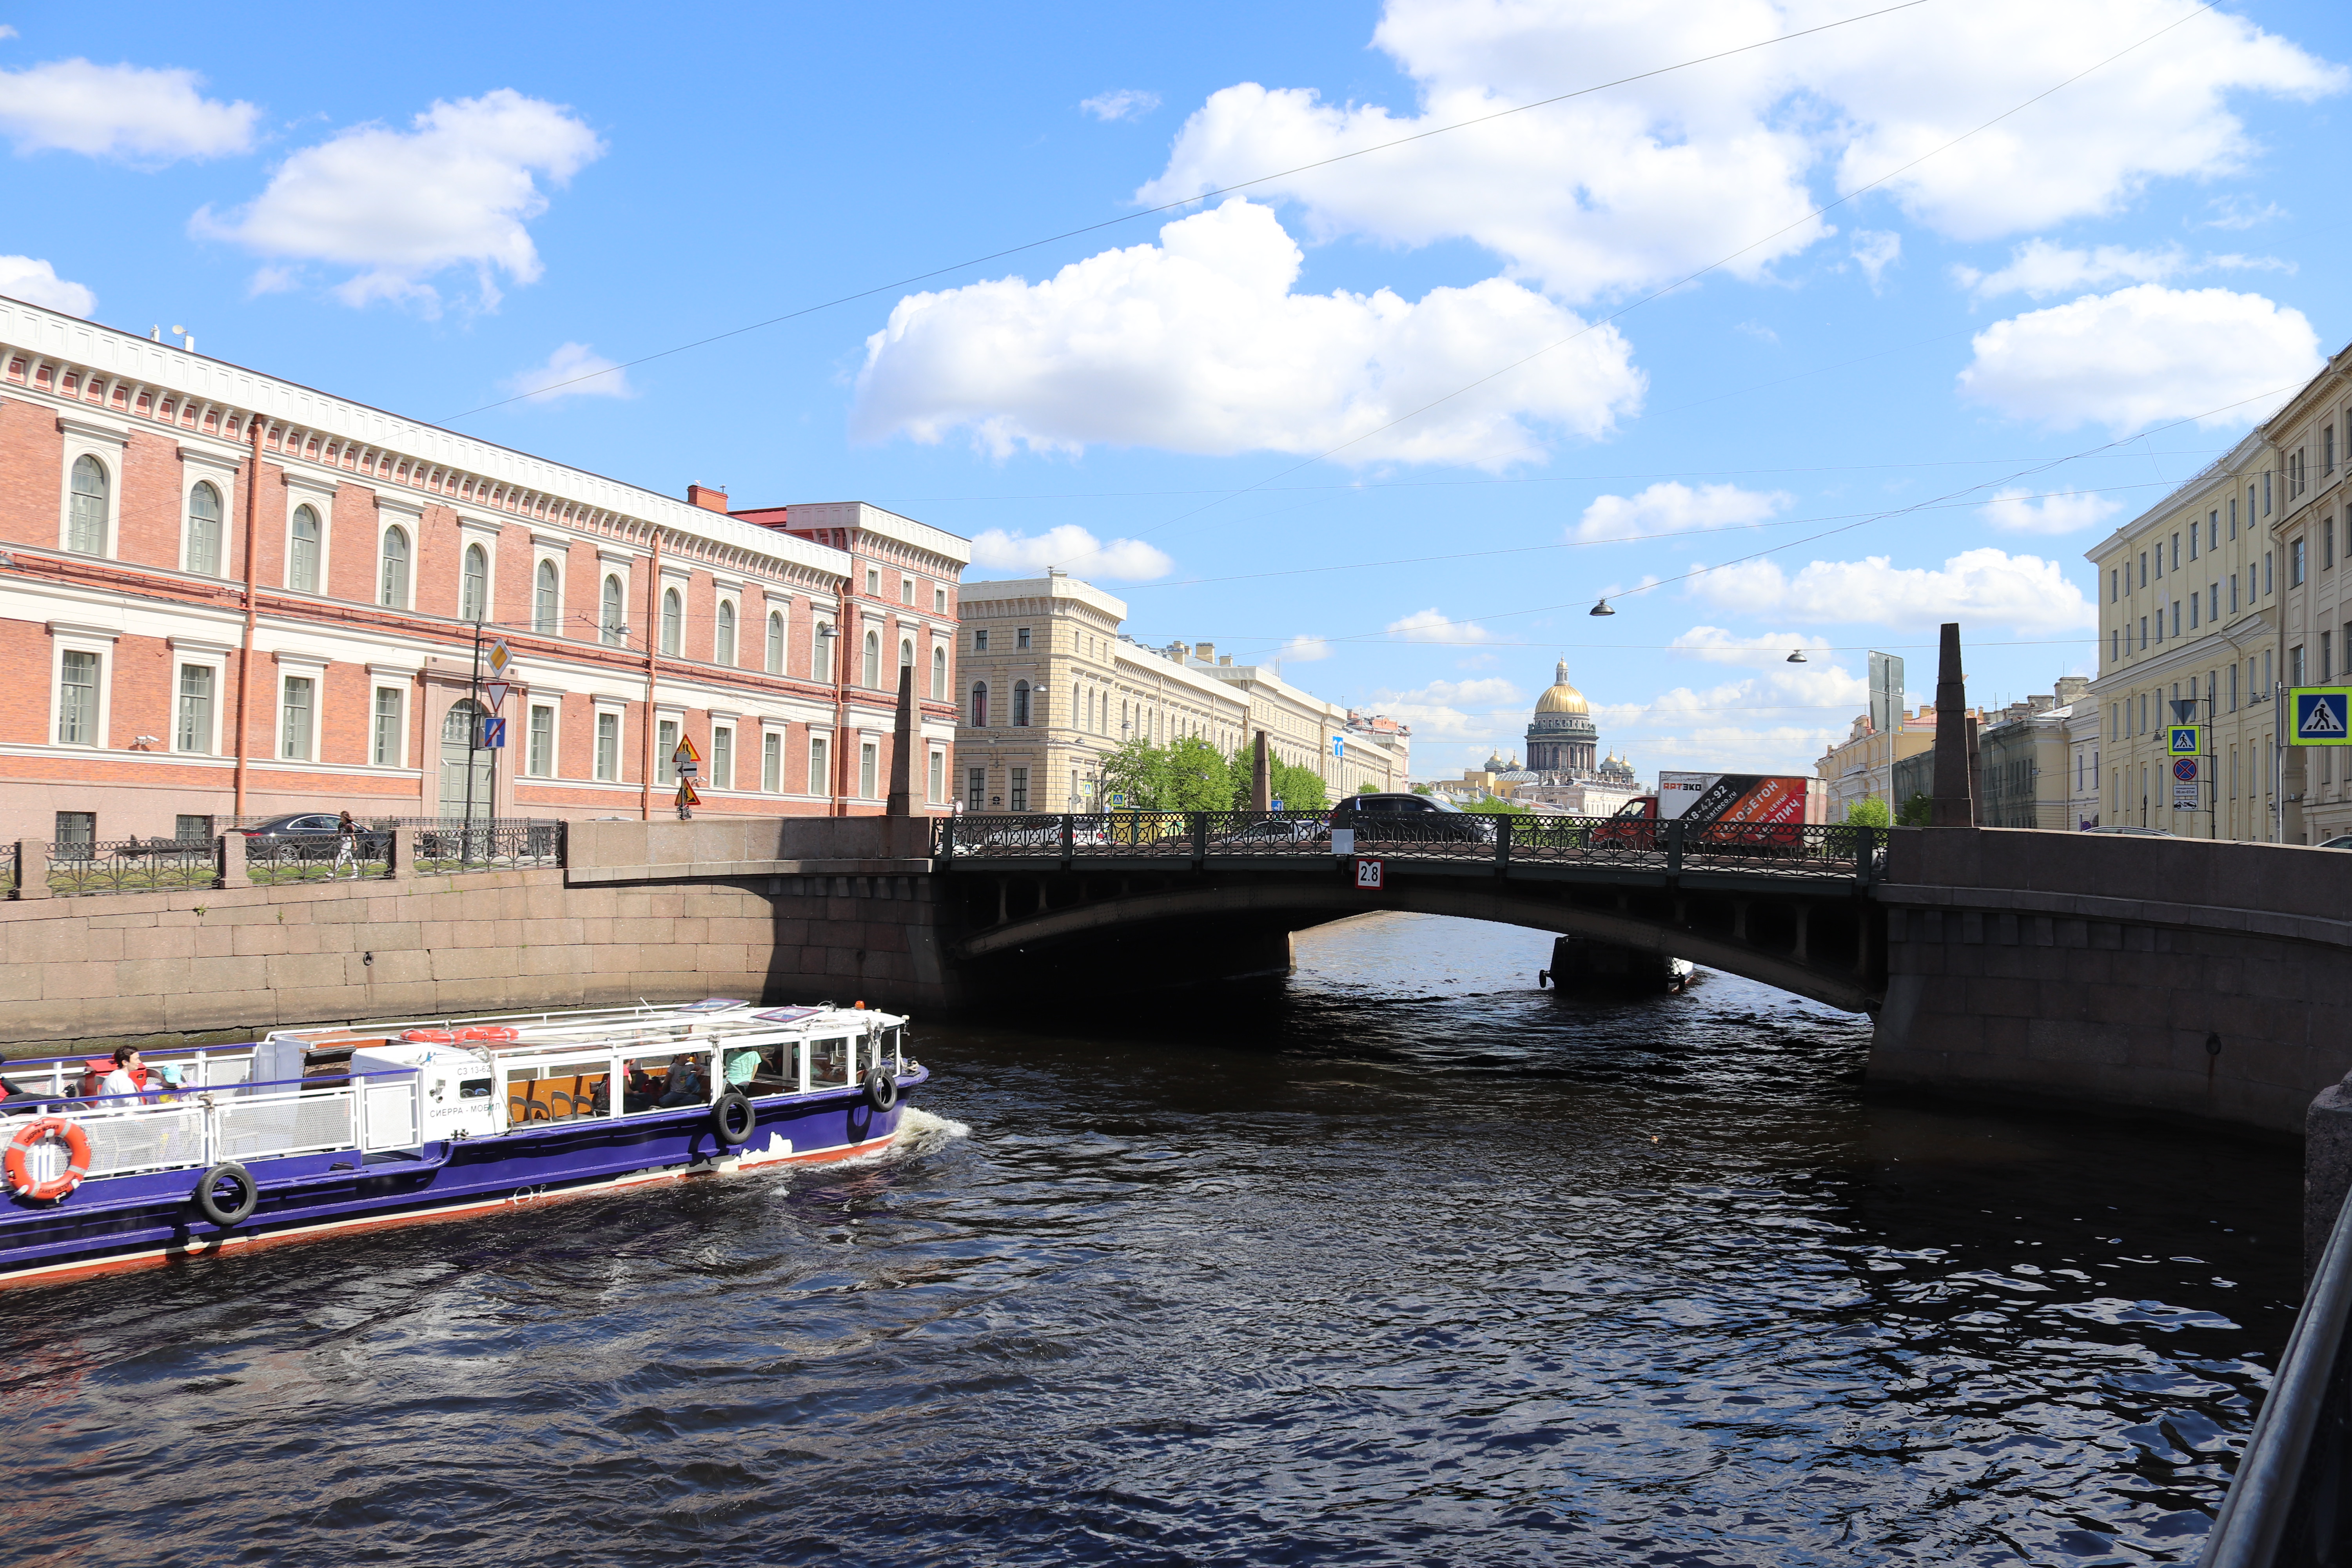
[
  {"x": 2288, "y": 1502},
  {"x": 274, "y": 858},
  {"x": 80, "y": 867},
  {"x": 1787, "y": 849},
  {"x": 455, "y": 845},
  {"x": 187, "y": 1128}
]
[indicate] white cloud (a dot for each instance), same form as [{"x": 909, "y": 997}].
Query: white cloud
[
  {"x": 1984, "y": 586},
  {"x": 1197, "y": 344},
  {"x": 1776, "y": 719},
  {"x": 1875, "y": 251},
  {"x": 1071, "y": 549},
  {"x": 574, "y": 370},
  {"x": 1643, "y": 183},
  {"x": 2041, "y": 269},
  {"x": 1434, "y": 626},
  {"x": 1479, "y": 712},
  {"x": 1304, "y": 649},
  {"x": 2142, "y": 355},
  {"x": 2018, "y": 510},
  {"x": 1672, "y": 507},
  {"x": 133, "y": 113},
  {"x": 404, "y": 206},
  {"x": 1126, "y": 103},
  {"x": 2239, "y": 212},
  {"x": 37, "y": 283},
  {"x": 1717, "y": 646}
]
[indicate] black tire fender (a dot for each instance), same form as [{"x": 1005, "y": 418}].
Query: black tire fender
[
  {"x": 239, "y": 1209},
  {"x": 732, "y": 1119},
  {"x": 881, "y": 1089}
]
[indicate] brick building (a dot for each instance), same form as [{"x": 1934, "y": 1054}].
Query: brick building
[{"x": 224, "y": 594}]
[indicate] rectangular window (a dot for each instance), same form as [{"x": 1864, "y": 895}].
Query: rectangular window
[
  {"x": 2213, "y": 603},
  {"x": 2270, "y": 584},
  {"x": 608, "y": 747},
  {"x": 2234, "y": 592},
  {"x": 975, "y": 788},
  {"x": 78, "y": 698},
  {"x": 2114, "y": 586},
  {"x": 938, "y": 779},
  {"x": 2294, "y": 664},
  {"x": 2143, "y": 568},
  {"x": 294, "y": 723},
  {"x": 873, "y": 582},
  {"x": 193, "y": 731},
  {"x": 722, "y": 757},
  {"x": 939, "y": 601},
  {"x": 772, "y": 762},
  {"x": 666, "y": 751},
  {"x": 2176, "y": 618},
  {"x": 2268, "y": 680},
  {"x": 1020, "y": 637},
  {"x": 2193, "y": 541},
  {"x": 2266, "y": 494},
  {"x": 980, "y": 640},
  {"x": 1017, "y": 797},
  {"x": 2327, "y": 450},
  {"x": 2176, "y": 553},
  {"x": 2233, "y": 687},
  {"x": 2195, "y": 604},
  {"x": 2159, "y": 561},
  {"x": 2114, "y": 643},
  {"x": 540, "y": 759},
  {"x": 2233, "y": 517},
  {"x": 2326, "y": 542},
  {"x": 820, "y": 779},
  {"x": 905, "y": 590},
  {"x": 2143, "y": 634},
  {"x": 77, "y": 830},
  {"x": 2326, "y": 652},
  {"x": 2294, "y": 563},
  {"x": 386, "y": 729},
  {"x": 868, "y": 755},
  {"x": 192, "y": 830}
]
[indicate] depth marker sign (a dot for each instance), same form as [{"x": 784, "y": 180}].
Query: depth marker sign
[{"x": 1368, "y": 874}]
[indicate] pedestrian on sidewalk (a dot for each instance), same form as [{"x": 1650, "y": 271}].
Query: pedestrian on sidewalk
[{"x": 347, "y": 846}]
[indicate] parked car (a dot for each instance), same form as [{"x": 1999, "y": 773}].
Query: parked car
[
  {"x": 1390, "y": 819},
  {"x": 2342, "y": 842},
  {"x": 307, "y": 835},
  {"x": 2135, "y": 832}
]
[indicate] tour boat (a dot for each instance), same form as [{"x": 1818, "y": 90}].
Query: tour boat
[{"x": 312, "y": 1130}]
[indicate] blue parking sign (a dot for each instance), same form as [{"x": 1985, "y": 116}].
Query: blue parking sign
[{"x": 2322, "y": 715}]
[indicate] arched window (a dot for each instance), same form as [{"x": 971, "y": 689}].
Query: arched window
[
  {"x": 391, "y": 575},
  {"x": 873, "y": 666},
  {"x": 906, "y": 653},
  {"x": 612, "y": 621},
  {"x": 724, "y": 652},
  {"x": 547, "y": 599},
  {"x": 673, "y": 624},
  {"x": 775, "y": 642},
  {"x": 473, "y": 584},
  {"x": 939, "y": 674},
  {"x": 1020, "y": 704},
  {"x": 302, "y": 559},
  {"x": 980, "y": 705},
  {"x": 86, "y": 508},
  {"x": 204, "y": 529}
]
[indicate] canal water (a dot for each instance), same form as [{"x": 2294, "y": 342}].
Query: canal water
[{"x": 1399, "y": 1261}]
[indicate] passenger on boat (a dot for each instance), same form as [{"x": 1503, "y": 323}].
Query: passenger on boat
[
  {"x": 11, "y": 1096},
  {"x": 639, "y": 1091},
  {"x": 685, "y": 1087},
  {"x": 130, "y": 1075}
]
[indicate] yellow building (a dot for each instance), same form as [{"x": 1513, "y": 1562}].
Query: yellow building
[
  {"x": 1862, "y": 766},
  {"x": 2189, "y": 612},
  {"x": 2312, "y": 531}
]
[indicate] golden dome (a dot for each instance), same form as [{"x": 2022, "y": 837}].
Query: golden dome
[{"x": 1562, "y": 698}]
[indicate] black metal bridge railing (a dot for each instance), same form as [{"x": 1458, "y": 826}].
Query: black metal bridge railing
[{"x": 1809, "y": 850}]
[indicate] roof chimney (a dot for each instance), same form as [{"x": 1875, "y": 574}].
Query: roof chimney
[
  {"x": 1206, "y": 652},
  {"x": 706, "y": 496}
]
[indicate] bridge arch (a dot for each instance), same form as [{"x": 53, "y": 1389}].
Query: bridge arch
[{"x": 1776, "y": 947}]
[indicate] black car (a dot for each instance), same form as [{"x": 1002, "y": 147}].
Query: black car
[
  {"x": 1410, "y": 819},
  {"x": 306, "y": 836}
]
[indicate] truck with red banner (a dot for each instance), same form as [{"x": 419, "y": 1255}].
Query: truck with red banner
[{"x": 1721, "y": 810}]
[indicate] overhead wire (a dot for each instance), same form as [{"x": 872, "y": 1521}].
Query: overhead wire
[{"x": 1184, "y": 202}]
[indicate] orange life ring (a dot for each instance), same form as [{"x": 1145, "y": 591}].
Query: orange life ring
[
  {"x": 498, "y": 1033},
  {"x": 19, "y": 1159},
  {"x": 430, "y": 1037}
]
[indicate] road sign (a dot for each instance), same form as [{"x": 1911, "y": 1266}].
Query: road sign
[
  {"x": 2186, "y": 795},
  {"x": 494, "y": 734},
  {"x": 686, "y": 752},
  {"x": 2322, "y": 715},
  {"x": 685, "y": 793},
  {"x": 689, "y": 769},
  {"x": 2184, "y": 769},
  {"x": 1339, "y": 746},
  {"x": 1368, "y": 874},
  {"x": 1274, "y": 804},
  {"x": 497, "y": 658},
  {"x": 1119, "y": 799},
  {"x": 494, "y": 695},
  {"x": 2185, "y": 739}
]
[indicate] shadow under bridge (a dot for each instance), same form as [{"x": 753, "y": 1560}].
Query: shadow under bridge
[{"x": 1108, "y": 899}]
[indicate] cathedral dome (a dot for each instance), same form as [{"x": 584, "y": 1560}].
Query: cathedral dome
[{"x": 1562, "y": 698}]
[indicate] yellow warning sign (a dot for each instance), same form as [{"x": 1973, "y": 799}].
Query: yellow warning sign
[
  {"x": 686, "y": 794},
  {"x": 685, "y": 752}
]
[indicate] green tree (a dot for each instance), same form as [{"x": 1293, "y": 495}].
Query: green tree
[
  {"x": 1137, "y": 769},
  {"x": 1194, "y": 776},
  {"x": 1298, "y": 789},
  {"x": 1492, "y": 807},
  {"x": 1916, "y": 812},
  {"x": 1869, "y": 812},
  {"x": 1423, "y": 789}
]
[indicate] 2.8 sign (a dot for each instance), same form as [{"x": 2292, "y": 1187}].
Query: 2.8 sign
[{"x": 1368, "y": 874}]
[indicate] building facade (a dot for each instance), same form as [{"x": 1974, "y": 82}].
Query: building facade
[
  {"x": 2312, "y": 440},
  {"x": 1050, "y": 684},
  {"x": 1862, "y": 766},
  {"x": 231, "y": 595},
  {"x": 2026, "y": 762},
  {"x": 2190, "y": 598}
]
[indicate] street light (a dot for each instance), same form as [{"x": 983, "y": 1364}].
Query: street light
[{"x": 1600, "y": 608}]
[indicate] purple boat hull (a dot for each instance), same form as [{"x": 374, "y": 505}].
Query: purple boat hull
[{"x": 151, "y": 1218}]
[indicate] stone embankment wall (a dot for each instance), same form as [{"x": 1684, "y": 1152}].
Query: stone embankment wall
[
  {"x": 770, "y": 908},
  {"x": 2156, "y": 974}
]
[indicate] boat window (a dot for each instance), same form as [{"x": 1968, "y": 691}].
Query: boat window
[
  {"x": 774, "y": 1068},
  {"x": 894, "y": 1050},
  {"x": 829, "y": 1063},
  {"x": 559, "y": 1092},
  {"x": 650, "y": 1081},
  {"x": 474, "y": 1089}
]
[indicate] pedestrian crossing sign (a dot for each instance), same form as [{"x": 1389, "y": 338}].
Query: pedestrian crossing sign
[
  {"x": 2184, "y": 740},
  {"x": 2322, "y": 715}
]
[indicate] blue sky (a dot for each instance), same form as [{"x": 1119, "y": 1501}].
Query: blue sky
[{"x": 1274, "y": 420}]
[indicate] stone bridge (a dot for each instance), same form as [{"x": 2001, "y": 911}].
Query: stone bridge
[{"x": 2168, "y": 975}]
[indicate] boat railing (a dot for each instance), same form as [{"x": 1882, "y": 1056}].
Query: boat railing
[
  {"x": 134, "y": 1133},
  {"x": 201, "y": 1068}
]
